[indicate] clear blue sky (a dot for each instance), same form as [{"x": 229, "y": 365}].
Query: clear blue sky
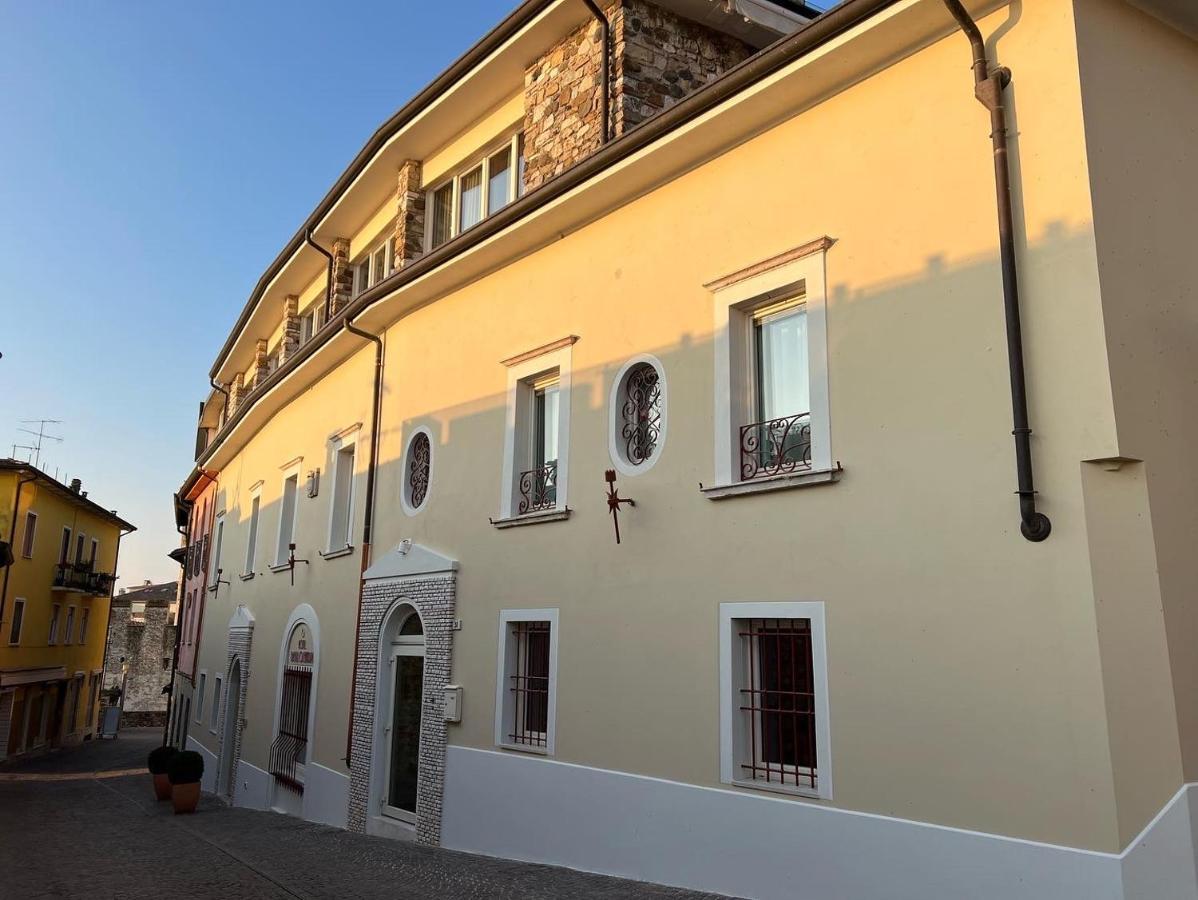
[{"x": 154, "y": 157}]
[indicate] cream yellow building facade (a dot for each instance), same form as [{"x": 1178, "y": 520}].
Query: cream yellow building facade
[
  {"x": 822, "y": 659},
  {"x": 55, "y": 594}
]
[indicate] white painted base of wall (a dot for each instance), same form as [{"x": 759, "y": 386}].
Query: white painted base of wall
[
  {"x": 761, "y": 846},
  {"x": 208, "y": 779},
  {"x": 253, "y": 787},
  {"x": 326, "y": 795}
]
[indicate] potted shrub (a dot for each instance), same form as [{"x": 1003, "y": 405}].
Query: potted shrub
[
  {"x": 185, "y": 771},
  {"x": 159, "y": 764}
]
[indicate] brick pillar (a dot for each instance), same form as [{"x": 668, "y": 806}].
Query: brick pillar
[
  {"x": 409, "y": 220},
  {"x": 343, "y": 277},
  {"x": 291, "y": 328},
  {"x": 236, "y": 392},
  {"x": 261, "y": 363}
]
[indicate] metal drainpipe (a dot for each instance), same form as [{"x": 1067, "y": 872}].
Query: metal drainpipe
[
  {"x": 328, "y": 285},
  {"x": 988, "y": 88},
  {"x": 170, "y": 698},
  {"x": 225, "y": 414},
  {"x": 116, "y": 559},
  {"x": 16, "y": 509},
  {"x": 605, "y": 26},
  {"x": 368, "y": 525}
]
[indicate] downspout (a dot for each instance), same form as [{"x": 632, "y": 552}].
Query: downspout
[
  {"x": 368, "y": 525},
  {"x": 225, "y": 413},
  {"x": 988, "y": 88},
  {"x": 605, "y": 27},
  {"x": 328, "y": 285},
  {"x": 16, "y": 509},
  {"x": 170, "y": 698},
  {"x": 116, "y": 559}
]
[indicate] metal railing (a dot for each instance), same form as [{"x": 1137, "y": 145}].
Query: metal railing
[
  {"x": 80, "y": 577},
  {"x": 775, "y": 447},
  {"x": 289, "y": 748},
  {"x": 538, "y": 489}
]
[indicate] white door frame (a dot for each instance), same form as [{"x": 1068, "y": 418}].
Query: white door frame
[
  {"x": 401, "y": 645},
  {"x": 229, "y": 734}
]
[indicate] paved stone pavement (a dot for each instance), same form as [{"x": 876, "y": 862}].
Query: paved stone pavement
[{"x": 104, "y": 838}]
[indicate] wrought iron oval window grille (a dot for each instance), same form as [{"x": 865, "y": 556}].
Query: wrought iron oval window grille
[
  {"x": 418, "y": 470},
  {"x": 641, "y": 414}
]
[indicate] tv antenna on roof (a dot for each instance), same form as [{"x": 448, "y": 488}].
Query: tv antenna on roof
[{"x": 40, "y": 434}]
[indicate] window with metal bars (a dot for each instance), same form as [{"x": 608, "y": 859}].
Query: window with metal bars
[
  {"x": 528, "y": 684},
  {"x": 776, "y": 696},
  {"x": 290, "y": 747}
]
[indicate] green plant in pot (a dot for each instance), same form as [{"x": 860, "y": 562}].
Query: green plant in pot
[
  {"x": 185, "y": 771},
  {"x": 159, "y": 764}
]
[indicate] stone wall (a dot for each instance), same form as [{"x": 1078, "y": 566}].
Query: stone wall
[
  {"x": 343, "y": 277},
  {"x": 657, "y": 59},
  {"x": 142, "y": 645},
  {"x": 409, "y": 219},
  {"x": 434, "y": 599}
]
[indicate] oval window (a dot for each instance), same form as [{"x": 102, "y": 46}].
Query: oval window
[
  {"x": 638, "y": 412},
  {"x": 418, "y": 467}
]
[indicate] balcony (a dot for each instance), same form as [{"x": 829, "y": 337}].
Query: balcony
[
  {"x": 79, "y": 578},
  {"x": 538, "y": 489},
  {"x": 775, "y": 447}
]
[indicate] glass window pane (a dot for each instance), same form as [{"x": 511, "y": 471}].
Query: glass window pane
[
  {"x": 442, "y": 214},
  {"x": 782, "y": 375},
  {"x": 380, "y": 265},
  {"x": 520, "y": 167},
  {"x": 499, "y": 176},
  {"x": 545, "y": 446},
  {"x": 470, "y": 202}
]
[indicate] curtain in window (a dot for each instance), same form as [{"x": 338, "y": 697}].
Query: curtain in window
[
  {"x": 442, "y": 214},
  {"x": 470, "y": 208},
  {"x": 498, "y": 180},
  {"x": 782, "y": 373}
]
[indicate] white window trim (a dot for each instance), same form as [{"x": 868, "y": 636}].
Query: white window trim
[
  {"x": 387, "y": 245},
  {"x": 15, "y": 640},
  {"x": 813, "y": 611},
  {"x": 218, "y": 548},
  {"x": 403, "y": 470},
  {"x": 519, "y": 383},
  {"x": 615, "y": 423},
  {"x": 68, "y": 625},
  {"x": 201, "y": 688},
  {"x": 64, "y": 552},
  {"x": 735, "y": 296},
  {"x": 95, "y": 557},
  {"x": 506, "y": 618},
  {"x": 218, "y": 685},
  {"x": 288, "y": 469},
  {"x": 84, "y": 616},
  {"x": 52, "y": 633},
  {"x": 335, "y": 546},
  {"x": 475, "y": 160},
  {"x": 29, "y": 534},
  {"x": 253, "y": 533}
]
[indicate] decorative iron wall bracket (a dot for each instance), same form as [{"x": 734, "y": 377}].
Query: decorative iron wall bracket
[{"x": 614, "y": 500}]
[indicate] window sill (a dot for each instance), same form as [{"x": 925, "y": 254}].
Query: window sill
[
  {"x": 523, "y": 748},
  {"x": 549, "y": 515},
  {"x": 341, "y": 551},
  {"x": 246, "y": 576},
  {"x": 805, "y": 793},
  {"x": 808, "y": 478},
  {"x": 280, "y": 567}
]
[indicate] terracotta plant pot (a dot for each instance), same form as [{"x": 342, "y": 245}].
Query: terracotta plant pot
[
  {"x": 184, "y": 797},
  {"x": 162, "y": 786}
]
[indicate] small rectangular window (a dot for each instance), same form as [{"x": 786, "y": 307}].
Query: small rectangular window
[
  {"x": 527, "y": 676},
  {"x": 252, "y": 539},
  {"x": 52, "y": 639},
  {"x": 214, "y": 716},
  {"x": 83, "y": 617},
  {"x": 341, "y": 522},
  {"x": 137, "y": 612},
  {"x": 95, "y": 552},
  {"x": 29, "y": 534},
  {"x": 470, "y": 199},
  {"x": 200, "y": 697},
  {"x": 18, "y": 619},
  {"x": 215, "y": 570},
  {"x": 287, "y": 509},
  {"x": 64, "y": 549},
  {"x": 442, "y": 213},
  {"x": 79, "y": 539},
  {"x": 66, "y": 635},
  {"x": 499, "y": 180}
]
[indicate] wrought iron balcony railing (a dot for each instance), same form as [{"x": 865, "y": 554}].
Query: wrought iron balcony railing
[
  {"x": 80, "y": 577},
  {"x": 775, "y": 447},
  {"x": 538, "y": 489}
]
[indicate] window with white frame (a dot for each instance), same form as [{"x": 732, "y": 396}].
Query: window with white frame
[
  {"x": 287, "y": 513},
  {"x": 310, "y": 321},
  {"x": 774, "y": 698},
  {"x": 83, "y": 617},
  {"x": 137, "y": 612},
  {"x": 417, "y": 470},
  {"x": 67, "y": 632},
  {"x": 55, "y": 611},
  {"x": 95, "y": 552},
  {"x": 638, "y": 415},
  {"x": 29, "y": 534},
  {"x": 251, "y": 543},
  {"x": 18, "y": 619},
  {"x": 536, "y": 447},
  {"x": 64, "y": 548},
  {"x": 218, "y": 540},
  {"x": 375, "y": 265},
  {"x": 80, "y": 539},
  {"x": 341, "y": 506},
  {"x": 526, "y": 684},
  {"x": 214, "y": 716},
  {"x": 481, "y": 188},
  {"x": 200, "y": 695},
  {"x": 771, "y": 369}
]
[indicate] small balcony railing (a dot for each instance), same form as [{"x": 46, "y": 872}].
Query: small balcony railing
[
  {"x": 80, "y": 577},
  {"x": 775, "y": 447},
  {"x": 538, "y": 489}
]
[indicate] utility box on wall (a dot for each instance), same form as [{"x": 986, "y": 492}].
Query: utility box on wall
[{"x": 453, "y": 703}]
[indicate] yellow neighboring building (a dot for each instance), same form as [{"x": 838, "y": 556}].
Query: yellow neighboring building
[{"x": 54, "y": 601}]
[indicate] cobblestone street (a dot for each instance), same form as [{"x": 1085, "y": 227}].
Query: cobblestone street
[{"x": 73, "y": 826}]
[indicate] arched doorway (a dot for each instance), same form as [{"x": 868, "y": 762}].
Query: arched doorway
[
  {"x": 228, "y": 739},
  {"x": 403, "y": 705}
]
